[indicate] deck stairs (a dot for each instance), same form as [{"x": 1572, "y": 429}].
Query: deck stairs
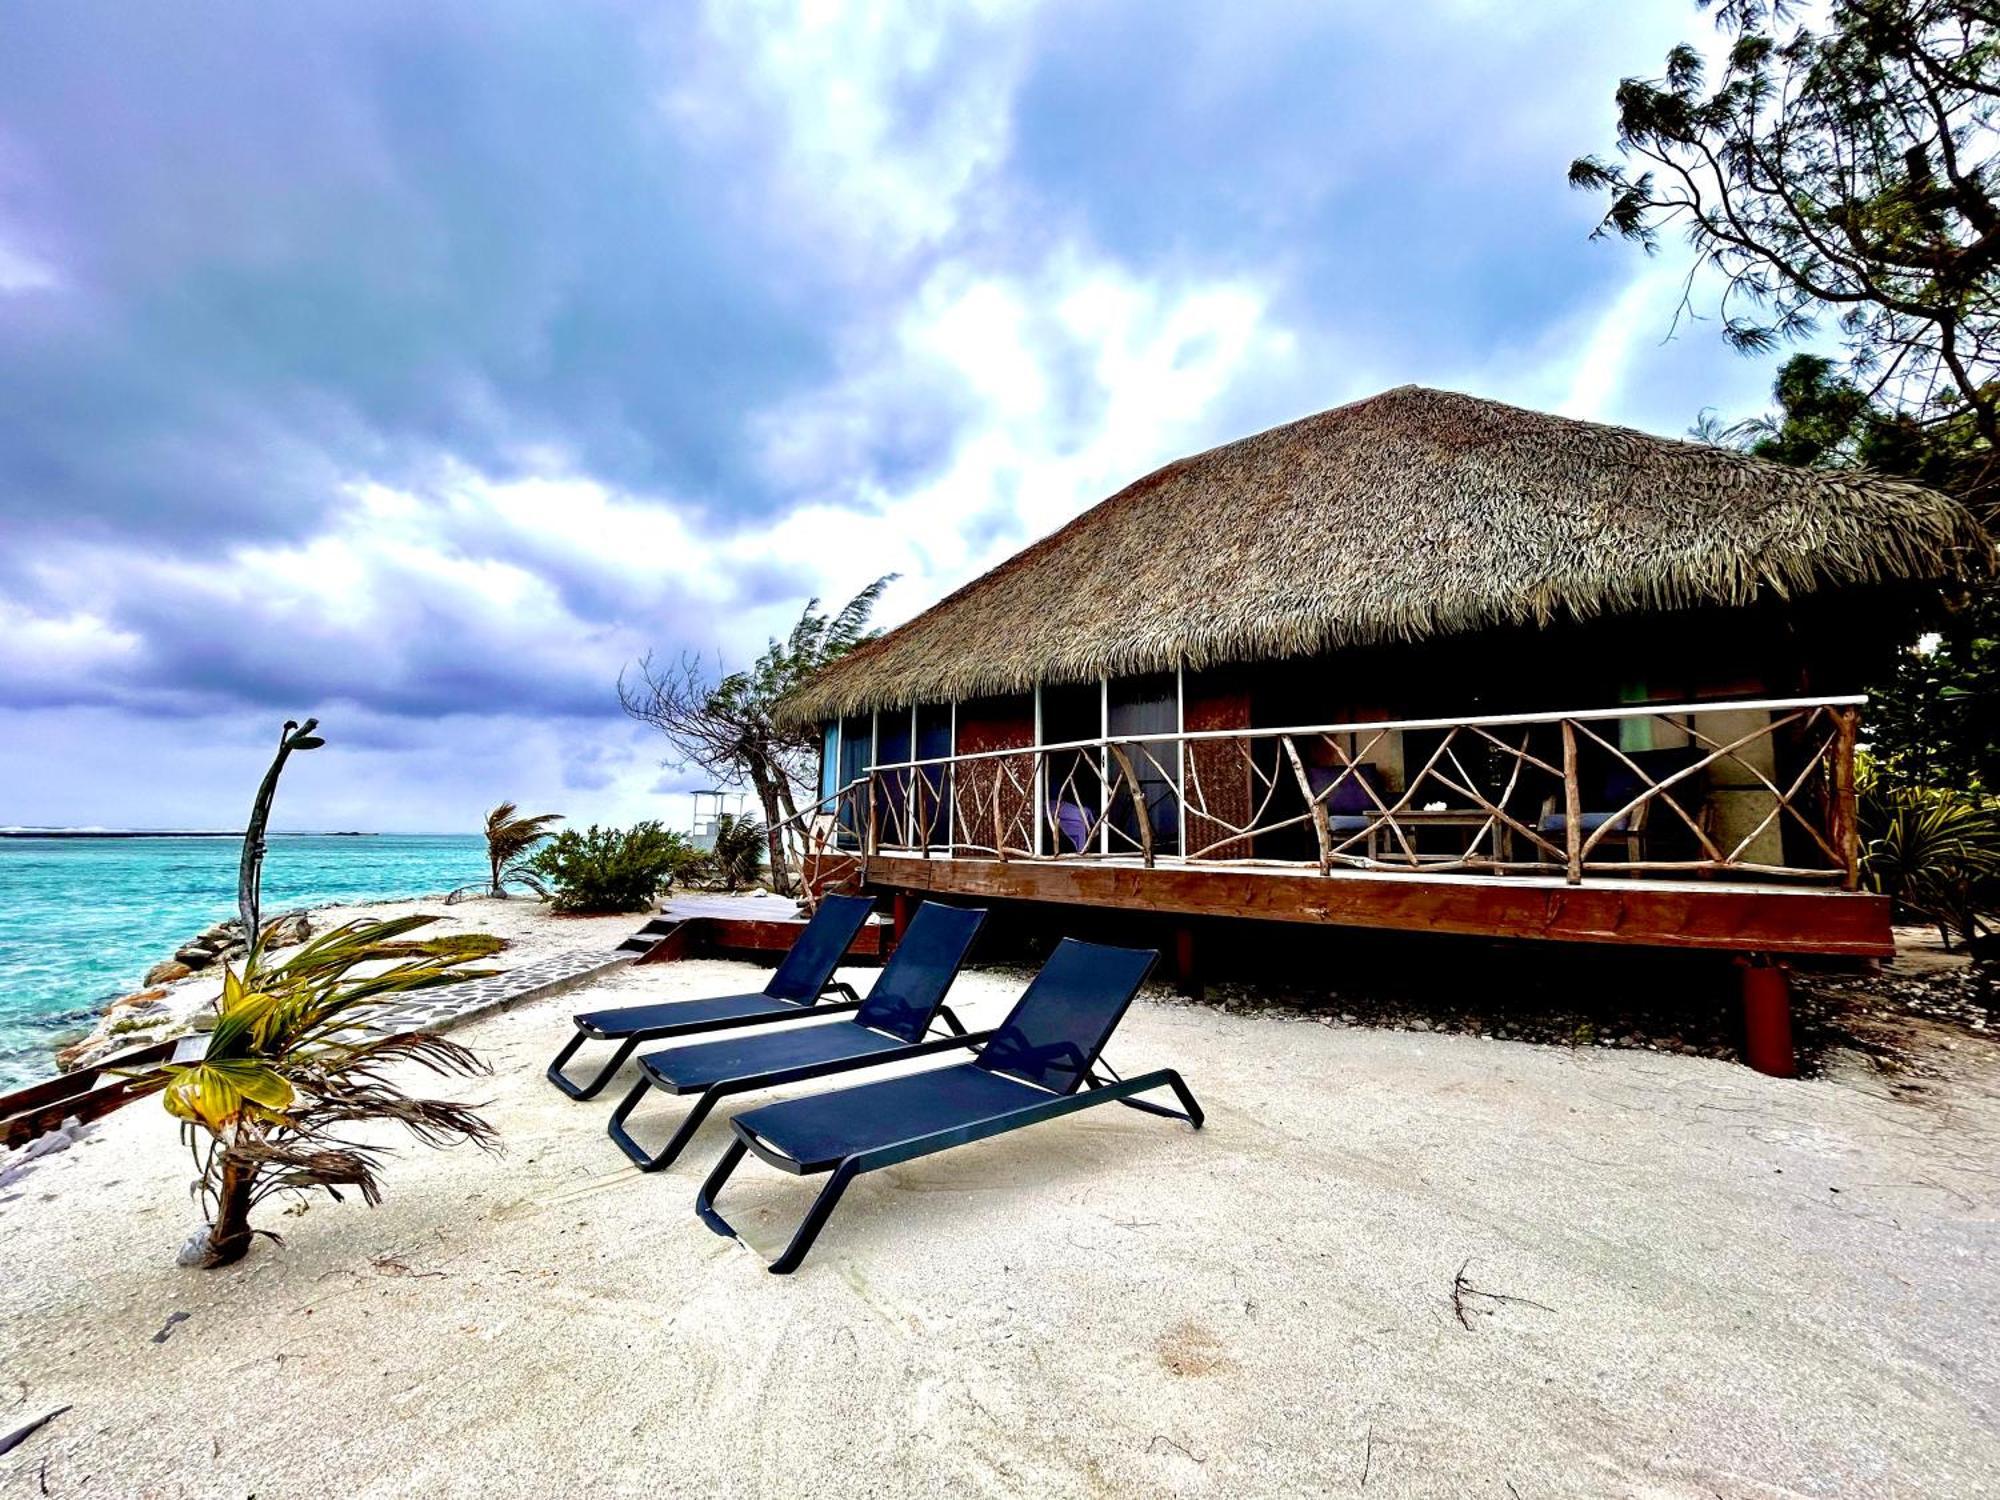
[{"x": 662, "y": 940}]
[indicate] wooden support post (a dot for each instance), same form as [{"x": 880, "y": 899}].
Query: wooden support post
[
  {"x": 1844, "y": 815},
  {"x": 1141, "y": 814},
  {"x": 1187, "y": 973},
  {"x": 1321, "y": 829},
  {"x": 902, "y": 907},
  {"x": 1767, "y": 1018},
  {"x": 1572, "y": 806}
]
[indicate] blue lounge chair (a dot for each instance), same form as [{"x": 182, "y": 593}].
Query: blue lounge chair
[
  {"x": 794, "y": 990},
  {"x": 906, "y": 997},
  {"x": 1039, "y": 1064}
]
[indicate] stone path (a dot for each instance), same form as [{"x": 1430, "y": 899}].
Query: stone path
[{"x": 453, "y": 1004}]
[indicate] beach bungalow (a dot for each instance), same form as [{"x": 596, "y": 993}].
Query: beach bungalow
[{"x": 1425, "y": 661}]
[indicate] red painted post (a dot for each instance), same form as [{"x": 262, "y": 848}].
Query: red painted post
[
  {"x": 1767, "y": 1018},
  {"x": 902, "y": 907},
  {"x": 1187, "y": 975}
]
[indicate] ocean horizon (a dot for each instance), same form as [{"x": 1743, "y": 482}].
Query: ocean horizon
[{"x": 88, "y": 911}]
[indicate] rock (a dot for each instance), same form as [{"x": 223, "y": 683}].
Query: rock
[
  {"x": 50, "y": 1142},
  {"x": 136, "y": 999},
  {"x": 195, "y": 956},
  {"x": 167, "y": 971},
  {"x": 195, "y": 1249}
]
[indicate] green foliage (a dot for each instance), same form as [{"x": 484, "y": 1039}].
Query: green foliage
[
  {"x": 1850, "y": 169},
  {"x": 1935, "y": 720},
  {"x": 290, "y": 1061},
  {"x": 509, "y": 837},
  {"x": 816, "y": 641},
  {"x": 609, "y": 869},
  {"x": 739, "y": 850},
  {"x": 1935, "y": 853},
  {"x": 728, "y": 725},
  {"x": 1853, "y": 169},
  {"x": 287, "y": 1066},
  {"x": 1826, "y": 420}
]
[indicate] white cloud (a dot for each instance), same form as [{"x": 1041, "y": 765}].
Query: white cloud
[
  {"x": 1144, "y": 359},
  {"x": 1638, "y": 317},
  {"x": 44, "y": 652},
  {"x": 889, "y": 114},
  {"x": 21, "y": 273}
]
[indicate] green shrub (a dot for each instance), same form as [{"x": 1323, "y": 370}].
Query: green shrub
[
  {"x": 692, "y": 867},
  {"x": 608, "y": 869},
  {"x": 1934, "y": 852}
]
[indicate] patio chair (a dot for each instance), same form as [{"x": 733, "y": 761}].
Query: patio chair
[
  {"x": 794, "y": 989},
  {"x": 1072, "y": 824},
  {"x": 907, "y": 996},
  {"x": 1041, "y": 1063},
  {"x": 1348, "y": 809},
  {"x": 1616, "y": 786}
]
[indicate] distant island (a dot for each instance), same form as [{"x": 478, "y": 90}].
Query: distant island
[{"x": 170, "y": 833}]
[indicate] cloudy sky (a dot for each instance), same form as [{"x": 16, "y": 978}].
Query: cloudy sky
[{"x": 417, "y": 367}]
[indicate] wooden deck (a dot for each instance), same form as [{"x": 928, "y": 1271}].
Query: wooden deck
[
  {"x": 696, "y": 924},
  {"x": 1727, "y": 916}
]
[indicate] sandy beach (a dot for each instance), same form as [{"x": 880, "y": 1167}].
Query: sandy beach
[{"x": 1705, "y": 1282}]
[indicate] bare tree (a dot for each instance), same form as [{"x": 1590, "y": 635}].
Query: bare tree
[{"x": 725, "y": 723}]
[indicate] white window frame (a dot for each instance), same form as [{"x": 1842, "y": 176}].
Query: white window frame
[
  {"x": 1104, "y": 767},
  {"x": 1180, "y": 757},
  {"x": 1040, "y": 815}
]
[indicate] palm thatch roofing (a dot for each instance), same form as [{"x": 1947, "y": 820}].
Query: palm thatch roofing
[{"x": 1411, "y": 514}]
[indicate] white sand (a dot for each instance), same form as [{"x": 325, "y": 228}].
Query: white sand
[{"x": 1746, "y": 1287}]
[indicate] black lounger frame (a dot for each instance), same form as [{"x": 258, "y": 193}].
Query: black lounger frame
[
  {"x": 1094, "y": 1090},
  {"x": 627, "y": 1045},
  {"x": 914, "y": 947}
]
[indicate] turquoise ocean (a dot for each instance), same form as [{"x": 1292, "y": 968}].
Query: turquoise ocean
[{"x": 81, "y": 919}]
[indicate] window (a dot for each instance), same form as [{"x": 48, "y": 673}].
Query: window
[{"x": 1148, "y": 705}]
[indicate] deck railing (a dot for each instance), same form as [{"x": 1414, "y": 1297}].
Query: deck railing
[{"x": 1757, "y": 789}]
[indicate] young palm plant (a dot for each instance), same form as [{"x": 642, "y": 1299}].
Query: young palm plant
[
  {"x": 292, "y": 1061},
  {"x": 739, "y": 850},
  {"x": 509, "y": 837},
  {"x": 290, "y": 1064}
]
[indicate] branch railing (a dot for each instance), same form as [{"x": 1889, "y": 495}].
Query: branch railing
[{"x": 1762, "y": 789}]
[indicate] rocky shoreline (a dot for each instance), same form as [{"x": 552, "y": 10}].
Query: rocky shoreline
[
  {"x": 177, "y": 993},
  {"x": 169, "y": 1002}
]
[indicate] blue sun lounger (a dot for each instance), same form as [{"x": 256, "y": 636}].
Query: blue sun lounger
[
  {"x": 906, "y": 998},
  {"x": 1041, "y": 1063},
  {"x": 794, "y": 990}
]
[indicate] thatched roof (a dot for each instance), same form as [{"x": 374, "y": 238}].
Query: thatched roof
[{"x": 1411, "y": 514}]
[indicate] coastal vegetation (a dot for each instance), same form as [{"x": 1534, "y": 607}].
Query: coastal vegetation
[
  {"x": 726, "y": 724},
  {"x": 291, "y": 1064},
  {"x": 1849, "y": 171},
  {"x": 738, "y": 857},
  {"x": 610, "y": 869},
  {"x": 510, "y": 836}
]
